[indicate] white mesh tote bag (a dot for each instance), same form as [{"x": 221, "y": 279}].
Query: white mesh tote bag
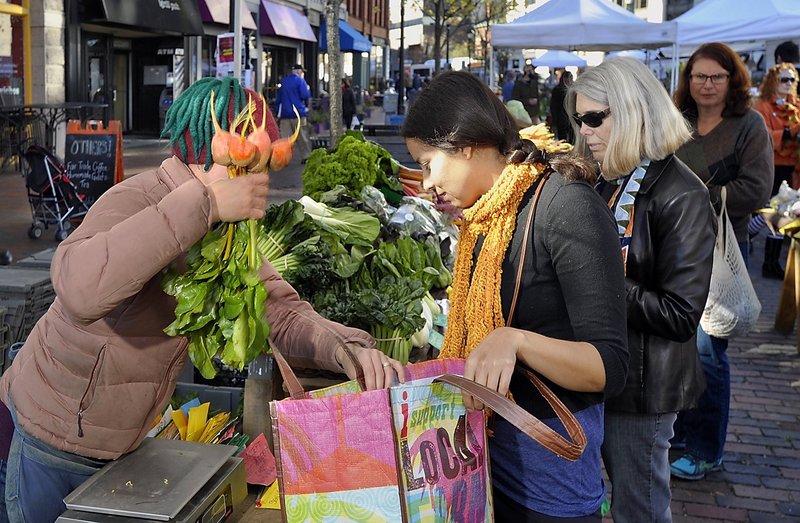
[{"x": 732, "y": 307}]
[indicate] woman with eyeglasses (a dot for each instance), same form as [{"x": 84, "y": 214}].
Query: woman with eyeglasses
[
  {"x": 560, "y": 252},
  {"x": 625, "y": 120},
  {"x": 730, "y": 148},
  {"x": 777, "y": 103}
]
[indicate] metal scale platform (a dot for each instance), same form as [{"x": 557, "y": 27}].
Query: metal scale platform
[{"x": 163, "y": 480}]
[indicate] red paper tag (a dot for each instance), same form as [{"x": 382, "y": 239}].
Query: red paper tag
[{"x": 259, "y": 463}]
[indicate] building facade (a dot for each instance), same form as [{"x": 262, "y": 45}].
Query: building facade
[
  {"x": 370, "y": 18},
  {"x": 137, "y": 60}
]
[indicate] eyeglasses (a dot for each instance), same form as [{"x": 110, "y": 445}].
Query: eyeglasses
[
  {"x": 788, "y": 79},
  {"x": 716, "y": 79},
  {"x": 593, "y": 119}
]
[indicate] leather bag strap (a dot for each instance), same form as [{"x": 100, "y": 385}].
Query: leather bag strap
[
  {"x": 524, "y": 420},
  {"x": 528, "y": 224},
  {"x": 292, "y": 384}
]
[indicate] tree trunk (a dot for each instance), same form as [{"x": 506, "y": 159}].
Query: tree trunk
[
  {"x": 335, "y": 69},
  {"x": 437, "y": 37}
]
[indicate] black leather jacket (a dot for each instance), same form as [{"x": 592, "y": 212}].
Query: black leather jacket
[{"x": 667, "y": 277}]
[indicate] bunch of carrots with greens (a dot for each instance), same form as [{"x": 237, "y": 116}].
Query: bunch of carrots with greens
[{"x": 220, "y": 298}]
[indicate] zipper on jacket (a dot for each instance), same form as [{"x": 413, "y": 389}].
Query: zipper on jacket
[{"x": 89, "y": 388}]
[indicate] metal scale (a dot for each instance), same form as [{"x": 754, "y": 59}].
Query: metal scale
[{"x": 162, "y": 480}]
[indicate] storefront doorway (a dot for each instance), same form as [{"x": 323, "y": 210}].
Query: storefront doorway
[
  {"x": 129, "y": 58},
  {"x": 97, "y": 49},
  {"x": 121, "y": 89},
  {"x": 277, "y": 63}
]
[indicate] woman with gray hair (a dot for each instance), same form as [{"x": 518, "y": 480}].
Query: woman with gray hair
[{"x": 625, "y": 120}]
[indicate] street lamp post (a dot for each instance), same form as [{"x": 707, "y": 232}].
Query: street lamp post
[
  {"x": 470, "y": 41},
  {"x": 401, "y": 88},
  {"x": 235, "y": 26},
  {"x": 447, "y": 44}
]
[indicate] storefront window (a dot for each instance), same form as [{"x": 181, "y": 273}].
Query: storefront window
[
  {"x": 12, "y": 88},
  {"x": 269, "y": 80},
  {"x": 376, "y": 68}
]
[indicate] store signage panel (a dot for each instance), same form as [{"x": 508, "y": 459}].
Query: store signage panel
[
  {"x": 180, "y": 16},
  {"x": 93, "y": 156}
]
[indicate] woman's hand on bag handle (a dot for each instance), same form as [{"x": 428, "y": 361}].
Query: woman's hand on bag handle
[
  {"x": 492, "y": 363},
  {"x": 379, "y": 369},
  {"x": 573, "y": 365}
]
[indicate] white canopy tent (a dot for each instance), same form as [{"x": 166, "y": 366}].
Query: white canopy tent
[
  {"x": 637, "y": 54},
  {"x": 556, "y": 58},
  {"x": 737, "y": 21},
  {"x": 587, "y": 25}
]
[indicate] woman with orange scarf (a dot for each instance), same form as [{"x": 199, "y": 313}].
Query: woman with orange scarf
[
  {"x": 562, "y": 248},
  {"x": 777, "y": 103}
]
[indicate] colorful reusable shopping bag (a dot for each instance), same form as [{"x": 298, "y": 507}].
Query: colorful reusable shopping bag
[
  {"x": 442, "y": 448},
  {"x": 411, "y": 453}
]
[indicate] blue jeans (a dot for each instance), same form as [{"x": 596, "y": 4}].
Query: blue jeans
[
  {"x": 745, "y": 248},
  {"x": 636, "y": 457},
  {"x": 37, "y": 477},
  {"x": 705, "y": 427}
]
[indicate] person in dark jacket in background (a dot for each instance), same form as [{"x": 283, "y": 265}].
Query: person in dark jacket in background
[
  {"x": 562, "y": 127},
  {"x": 626, "y": 121},
  {"x": 731, "y": 149},
  {"x": 526, "y": 90},
  {"x": 348, "y": 103},
  {"x": 508, "y": 85},
  {"x": 787, "y": 52}
]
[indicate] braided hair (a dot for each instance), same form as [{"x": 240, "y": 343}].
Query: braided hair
[{"x": 569, "y": 166}]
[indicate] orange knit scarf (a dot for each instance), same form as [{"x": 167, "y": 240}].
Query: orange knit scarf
[{"x": 475, "y": 308}]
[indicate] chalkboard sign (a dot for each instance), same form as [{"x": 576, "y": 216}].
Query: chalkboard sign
[{"x": 93, "y": 156}]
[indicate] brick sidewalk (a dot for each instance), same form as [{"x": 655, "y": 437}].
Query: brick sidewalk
[{"x": 760, "y": 481}]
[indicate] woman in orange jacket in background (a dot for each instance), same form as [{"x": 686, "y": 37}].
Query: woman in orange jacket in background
[{"x": 777, "y": 103}]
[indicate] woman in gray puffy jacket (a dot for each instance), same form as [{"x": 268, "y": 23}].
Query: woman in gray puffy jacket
[{"x": 98, "y": 368}]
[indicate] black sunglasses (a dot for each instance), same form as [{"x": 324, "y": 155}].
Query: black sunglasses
[
  {"x": 592, "y": 119},
  {"x": 788, "y": 79}
]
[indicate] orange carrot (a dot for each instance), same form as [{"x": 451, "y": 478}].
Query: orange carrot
[
  {"x": 260, "y": 138},
  {"x": 242, "y": 151},
  {"x": 220, "y": 151},
  {"x": 282, "y": 149},
  {"x": 411, "y": 174}
]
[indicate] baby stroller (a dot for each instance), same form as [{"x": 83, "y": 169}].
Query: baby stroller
[{"x": 54, "y": 199}]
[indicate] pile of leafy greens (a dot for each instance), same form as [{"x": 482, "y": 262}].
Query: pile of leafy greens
[
  {"x": 222, "y": 300},
  {"x": 354, "y": 164},
  {"x": 376, "y": 281}
]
